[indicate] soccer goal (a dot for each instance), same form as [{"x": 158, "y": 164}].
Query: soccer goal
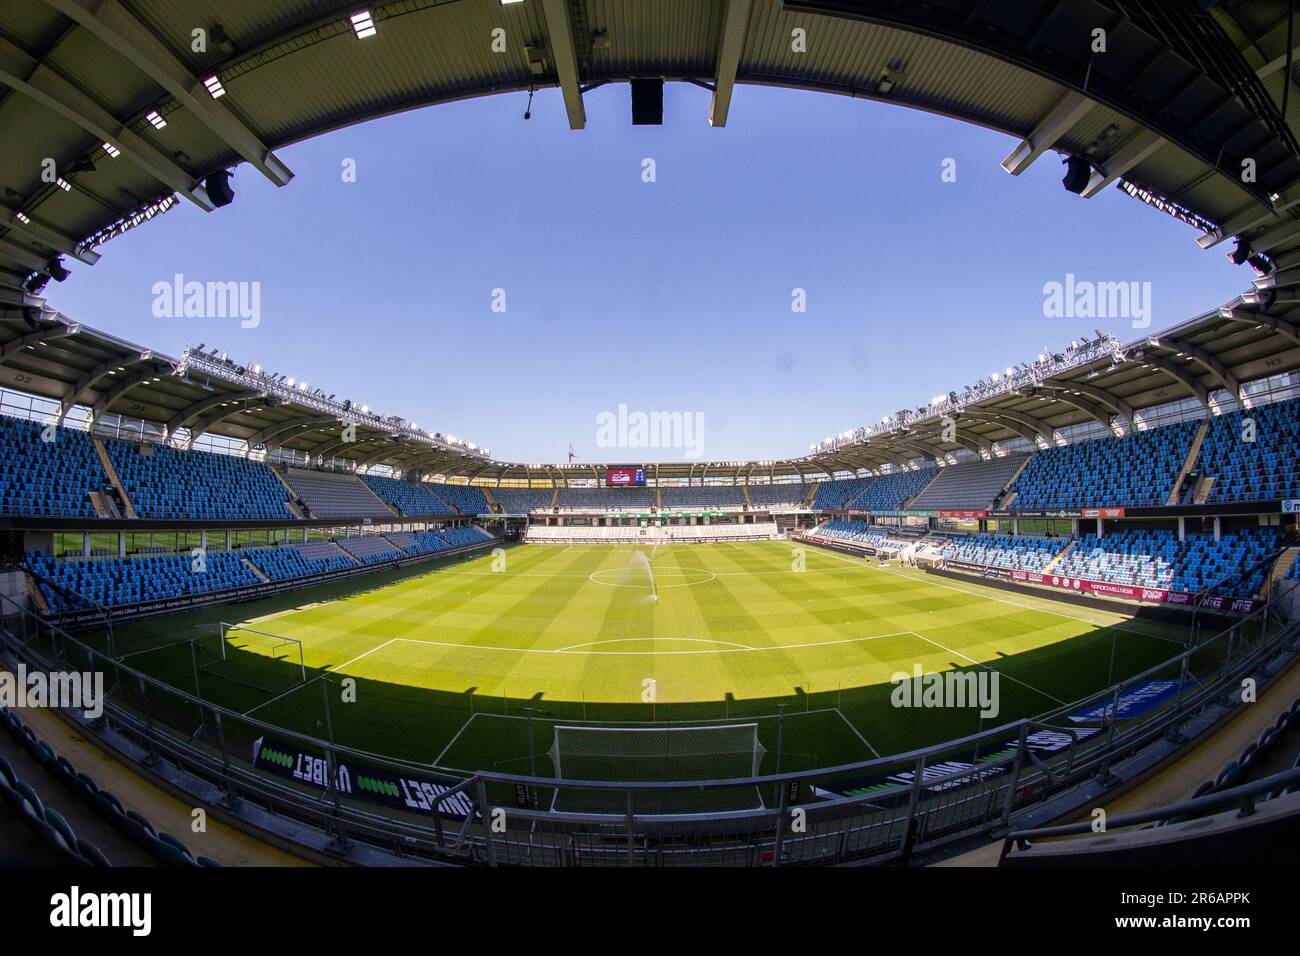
[
  {"x": 657, "y": 755},
  {"x": 257, "y": 659}
]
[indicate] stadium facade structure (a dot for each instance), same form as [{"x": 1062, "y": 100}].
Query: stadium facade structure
[{"x": 1185, "y": 97}]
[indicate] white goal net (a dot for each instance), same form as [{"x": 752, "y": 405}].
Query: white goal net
[{"x": 657, "y": 754}]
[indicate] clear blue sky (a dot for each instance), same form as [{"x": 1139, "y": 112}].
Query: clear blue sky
[{"x": 670, "y": 296}]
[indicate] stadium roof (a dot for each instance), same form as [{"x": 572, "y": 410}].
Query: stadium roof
[
  {"x": 130, "y": 106},
  {"x": 1103, "y": 381},
  {"x": 112, "y": 111}
]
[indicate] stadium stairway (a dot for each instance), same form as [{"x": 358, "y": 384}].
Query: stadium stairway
[
  {"x": 382, "y": 501},
  {"x": 659, "y": 499},
  {"x": 748, "y": 502},
  {"x": 1203, "y": 490},
  {"x": 220, "y": 842},
  {"x": 812, "y": 493},
  {"x": 492, "y": 502},
  {"x": 1050, "y": 565},
  {"x": 908, "y": 503},
  {"x": 1281, "y": 567},
  {"x": 256, "y": 570},
  {"x": 1193, "y": 453},
  {"x": 294, "y": 504},
  {"x": 107, "y": 462},
  {"x": 1179, "y": 779}
]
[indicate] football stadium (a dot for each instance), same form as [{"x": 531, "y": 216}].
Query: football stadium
[{"x": 960, "y": 634}]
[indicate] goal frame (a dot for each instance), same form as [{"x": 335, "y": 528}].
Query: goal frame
[
  {"x": 556, "y": 753},
  {"x": 224, "y": 628}
]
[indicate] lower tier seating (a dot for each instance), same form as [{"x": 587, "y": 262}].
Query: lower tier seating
[{"x": 1013, "y": 553}]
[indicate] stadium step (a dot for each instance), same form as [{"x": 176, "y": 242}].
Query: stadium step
[
  {"x": 748, "y": 502},
  {"x": 102, "y": 505},
  {"x": 1204, "y": 489},
  {"x": 109, "y": 470},
  {"x": 1193, "y": 453},
  {"x": 659, "y": 499},
  {"x": 555, "y": 497},
  {"x": 292, "y": 505},
  {"x": 1047, "y": 568},
  {"x": 256, "y": 570},
  {"x": 389, "y": 507},
  {"x": 908, "y": 503},
  {"x": 849, "y": 502},
  {"x": 812, "y": 493},
  {"x": 1281, "y": 567},
  {"x": 37, "y": 598},
  {"x": 492, "y": 502}
]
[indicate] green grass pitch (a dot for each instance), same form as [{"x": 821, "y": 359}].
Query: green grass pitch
[{"x": 447, "y": 657}]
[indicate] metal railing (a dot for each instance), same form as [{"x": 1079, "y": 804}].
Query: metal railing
[{"x": 886, "y": 809}]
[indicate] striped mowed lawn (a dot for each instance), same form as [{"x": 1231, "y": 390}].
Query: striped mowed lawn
[{"x": 438, "y": 663}]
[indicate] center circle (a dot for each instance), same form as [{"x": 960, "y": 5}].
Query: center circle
[{"x": 663, "y": 578}]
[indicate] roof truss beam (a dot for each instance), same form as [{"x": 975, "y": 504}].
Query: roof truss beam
[
  {"x": 560, "y": 30},
  {"x": 734, "y": 27},
  {"x": 29, "y": 76},
  {"x": 121, "y": 387},
  {"x": 44, "y": 234},
  {"x": 79, "y": 390},
  {"x": 1136, "y": 149},
  {"x": 1063, "y": 117},
  {"x": 117, "y": 28},
  {"x": 13, "y": 347}
]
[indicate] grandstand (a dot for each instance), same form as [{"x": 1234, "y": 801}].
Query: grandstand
[
  {"x": 329, "y": 495},
  {"x": 968, "y": 487},
  {"x": 1111, "y": 526},
  {"x": 407, "y": 497}
]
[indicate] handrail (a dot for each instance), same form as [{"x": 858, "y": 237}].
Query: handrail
[{"x": 1198, "y": 806}]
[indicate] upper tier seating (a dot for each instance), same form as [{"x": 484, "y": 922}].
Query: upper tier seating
[
  {"x": 409, "y": 498},
  {"x": 1259, "y": 470},
  {"x": 47, "y": 478},
  {"x": 712, "y": 497},
  {"x": 521, "y": 501},
  {"x": 335, "y": 495},
  {"x": 466, "y": 499},
  {"x": 890, "y": 492},
  {"x": 837, "y": 494},
  {"x": 165, "y": 482},
  {"x": 968, "y": 487},
  {"x": 1138, "y": 470},
  {"x": 784, "y": 495},
  {"x": 606, "y": 499},
  {"x": 116, "y": 581},
  {"x": 370, "y": 548},
  {"x": 1023, "y": 553}
]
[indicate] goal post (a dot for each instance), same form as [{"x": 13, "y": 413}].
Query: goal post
[
  {"x": 259, "y": 659},
  {"x": 656, "y": 754}
]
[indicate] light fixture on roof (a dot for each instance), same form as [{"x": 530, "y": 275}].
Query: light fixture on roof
[
  {"x": 214, "y": 87},
  {"x": 363, "y": 24},
  {"x": 112, "y": 150},
  {"x": 155, "y": 119},
  {"x": 21, "y": 218},
  {"x": 63, "y": 184}
]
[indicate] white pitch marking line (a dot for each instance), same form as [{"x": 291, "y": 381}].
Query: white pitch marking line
[
  {"x": 855, "y": 730},
  {"x": 1120, "y": 625},
  {"x": 987, "y": 667},
  {"x": 630, "y": 640},
  {"x": 322, "y": 674},
  {"x": 723, "y": 650},
  {"x": 437, "y": 761}
]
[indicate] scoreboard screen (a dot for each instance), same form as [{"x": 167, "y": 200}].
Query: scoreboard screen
[{"x": 624, "y": 477}]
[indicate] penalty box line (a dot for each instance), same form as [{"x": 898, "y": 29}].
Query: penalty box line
[
  {"x": 321, "y": 675},
  {"x": 988, "y": 667}
]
